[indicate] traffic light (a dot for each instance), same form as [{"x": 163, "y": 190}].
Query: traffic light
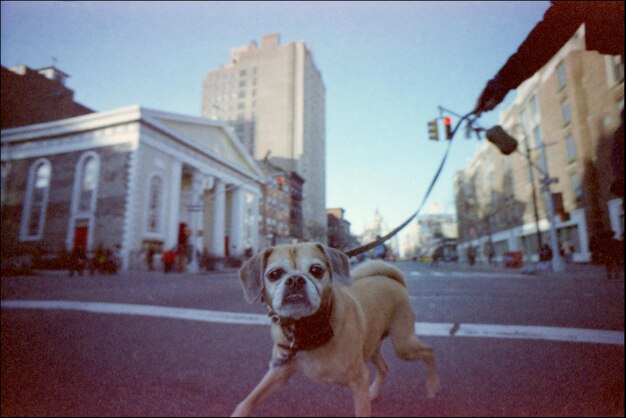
[
  {"x": 448, "y": 122},
  {"x": 505, "y": 142},
  {"x": 433, "y": 132},
  {"x": 281, "y": 183}
]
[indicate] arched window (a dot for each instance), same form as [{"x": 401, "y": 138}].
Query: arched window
[
  {"x": 84, "y": 200},
  {"x": 154, "y": 210},
  {"x": 36, "y": 200},
  {"x": 88, "y": 182}
]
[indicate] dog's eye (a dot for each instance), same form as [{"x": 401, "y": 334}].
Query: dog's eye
[
  {"x": 317, "y": 271},
  {"x": 275, "y": 274}
]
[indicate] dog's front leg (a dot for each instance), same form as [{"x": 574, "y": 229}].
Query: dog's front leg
[
  {"x": 273, "y": 379},
  {"x": 359, "y": 386}
]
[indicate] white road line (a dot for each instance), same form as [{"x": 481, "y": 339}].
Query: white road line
[
  {"x": 579, "y": 335},
  {"x": 145, "y": 310},
  {"x": 466, "y": 274}
]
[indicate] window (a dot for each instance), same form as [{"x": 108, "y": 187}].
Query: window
[
  {"x": 534, "y": 107},
  {"x": 571, "y": 148},
  {"x": 522, "y": 119},
  {"x": 560, "y": 71},
  {"x": 88, "y": 185},
  {"x": 565, "y": 110},
  {"x": 537, "y": 136},
  {"x": 155, "y": 205},
  {"x": 36, "y": 201},
  {"x": 577, "y": 187}
]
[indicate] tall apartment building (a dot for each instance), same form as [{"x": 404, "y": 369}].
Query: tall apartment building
[
  {"x": 274, "y": 97},
  {"x": 571, "y": 105}
]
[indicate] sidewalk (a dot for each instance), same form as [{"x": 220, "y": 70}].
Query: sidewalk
[{"x": 576, "y": 270}]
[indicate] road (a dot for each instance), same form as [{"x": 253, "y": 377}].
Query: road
[{"x": 506, "y": 344}]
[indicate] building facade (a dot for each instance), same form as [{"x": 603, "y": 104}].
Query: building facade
[
  {"x": 570, "y": 108},
  {"x": 274, "y": 97},
  {"x": 35, "y": 96},
  {"x": 338, "y": 229},
  {"x": 127, "y": 179},
  {"x": 281, "y": 207}
]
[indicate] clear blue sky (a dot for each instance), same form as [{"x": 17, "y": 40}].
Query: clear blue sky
[{"x": 386, "y": 67}]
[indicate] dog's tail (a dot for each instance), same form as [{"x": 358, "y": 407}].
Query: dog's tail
[{"x": 378, "y": 268}]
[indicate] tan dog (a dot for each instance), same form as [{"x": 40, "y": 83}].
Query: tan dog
[{"x": 328, "y": 331}]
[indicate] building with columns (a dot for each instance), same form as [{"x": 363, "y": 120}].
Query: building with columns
[{"x": 127, "y": 179}]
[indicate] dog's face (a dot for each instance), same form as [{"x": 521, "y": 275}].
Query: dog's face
[{"x": 293, "y": 278}]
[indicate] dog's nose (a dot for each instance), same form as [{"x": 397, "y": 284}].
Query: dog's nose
[{"x": 295, "y": 282}]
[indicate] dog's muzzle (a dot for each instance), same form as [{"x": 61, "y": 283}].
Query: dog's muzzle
[{"x": 295, "y": 290}]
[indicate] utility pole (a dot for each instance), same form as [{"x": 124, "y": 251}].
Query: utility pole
[
  {"x": 557, "y": 262},
  {"x": 532, "y": 183}
]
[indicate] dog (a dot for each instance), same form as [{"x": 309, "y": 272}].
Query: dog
[{"x": 329, "y": 331}]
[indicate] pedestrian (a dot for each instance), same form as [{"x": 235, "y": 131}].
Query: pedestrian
[
  {"x": 568, "y": 250},
  {"x": 437, "y": 255},
  {"x": 381, "y": 250},
  {"x": 150, "y": 257},
  {"x": 491, "y": 254},
  {"x": 545, "y": 256},
  {"x": 609, "y": 252},
  {"x": 78, "y": 260},
  {"x": 471, "y": 255},
  {"x": 168, "y": 258}
]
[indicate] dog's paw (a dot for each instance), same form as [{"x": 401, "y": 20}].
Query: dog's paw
[{"x": 433, "y": 386}]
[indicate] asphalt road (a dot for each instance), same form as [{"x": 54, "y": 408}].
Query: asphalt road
[{"x": 80, "y": 363}]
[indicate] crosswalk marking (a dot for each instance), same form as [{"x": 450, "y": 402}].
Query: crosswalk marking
[{"x": 421, "y": 328}]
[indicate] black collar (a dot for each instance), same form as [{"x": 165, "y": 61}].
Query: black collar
[{"x": 306, "y": 333}]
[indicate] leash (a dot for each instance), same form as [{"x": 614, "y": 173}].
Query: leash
[{"x": 367, "y": 247}]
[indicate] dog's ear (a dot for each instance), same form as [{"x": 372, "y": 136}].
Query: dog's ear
[
  {"x": 251, "y": 275},
  {"x": 339, "y": 264}
]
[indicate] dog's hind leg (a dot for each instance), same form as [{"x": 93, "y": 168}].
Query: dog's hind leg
[
  {"x": 362, "y": 403},
  {"x": 381, "y": 371},
  {"x": 409, "y": 347}
]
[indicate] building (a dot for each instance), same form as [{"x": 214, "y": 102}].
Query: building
[
  {"x": 34, "y": 96},
  {"x": 572, "y": 106},
  {"x": 338, "y": 229},
  {"x": 127, "y": 179},
  {"x": 281, "y": 207},
  {"x": 379, "y": 228},
  {"x": 433, "y": 231},
  {"x": 274, "y": 97}
]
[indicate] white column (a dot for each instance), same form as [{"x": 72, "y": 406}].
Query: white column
[
  {"x": 254, "y": 223},
  {"x": 195, "y": 210},
  {"x": 237, "y": 213},
  {"x": 219, "y": 212},
  {"x": 174, "y": 205}
]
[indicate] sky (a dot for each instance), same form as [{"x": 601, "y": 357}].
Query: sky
[{"x": 387, "y": 67}]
